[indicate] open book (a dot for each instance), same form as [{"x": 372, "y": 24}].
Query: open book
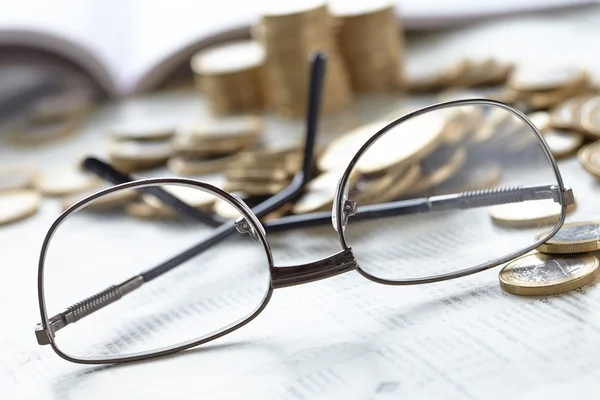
[{"x": 131, "y": 46}]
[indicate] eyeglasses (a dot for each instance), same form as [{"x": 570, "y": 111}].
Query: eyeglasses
[{"x": 416, "y": 202}]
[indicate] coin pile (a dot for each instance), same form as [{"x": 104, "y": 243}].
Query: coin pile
[
  {"x": 209, "y": 146},
  {"x": 290, "y": 35},
  {"x": 370, "y": 41},
  {"x": 543, "y": 87},
  {"x": 232, "y": 77}
]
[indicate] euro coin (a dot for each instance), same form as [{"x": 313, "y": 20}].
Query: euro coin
[
  {"x": 319, "y": 193},
  {"x": 589, "y": 157},
  {"x": 61, "y": 181},
  {"x": 540, "y": 119},
  {"x": 225, "y": 128},
  {"x": 527, "y": 214},
  {"x": 566, "y": 115},
  {"x": 387, "y": 186},
  {"x": 432, "y": 76},
  {"x": 255, "y": 188},
  {"x": 563, "y": 144},
  {"x": 544, "y": 275},
  {"x": 256, "y": 174},
  {"x": 440, "y": 166},
  {"x": 187, "y": 166},
  {"x": 590, "y": 117},
  {"x": 576, "y": 237},
  {"x": 17, "y": 205},
  {"x": 17, "y": 176}
]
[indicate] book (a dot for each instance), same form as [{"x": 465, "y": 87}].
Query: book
[{"x": 132, "y": 46}]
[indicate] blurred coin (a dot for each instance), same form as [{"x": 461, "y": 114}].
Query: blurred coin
[
  {"x": 188, "y": 146},
  {"x": 544, "y": 77},
  {"x": 187, "y": 166},
  {"x": 340, "y": 151},
  {"x": 544, "y": 275},
  {"x": 409, "y": 141},
  {"x": 527, "y": 214},
  {"x": 589, "y": 157},
  {"x": 225, "y": 128},
  {"x": 192, "y": 197},
  {"x": 566, "y": 115},
  {"x": 62, "y": 181},
  {"x": 438, "y": 167},
  {"x": 432, "y": 77},
  {"x": 480, "y": 72},
  {"x": 319, "y": 193},
  {"x": 576, "y": 237},
  {"x": 141, "y": 209},
  {"x": 497, "y": 122},
  {"x": 563, "y": 144},
  {"x": 60, "y": 106},
  {"x": 132, "y": 150},
  {"x": 589, "y": 113},
  {"x": 106, "y": 202},
  {"x": 17, "y": 176},
  {"x": 540, "y": 119},
  {"x": 388, "y": 186},
  {"x": 18, "y": 204},
  {"x": 39, "y": 134},
  {"x": 142, "y": 130}
]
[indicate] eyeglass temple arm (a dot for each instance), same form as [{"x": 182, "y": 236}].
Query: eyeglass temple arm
[
  {"x": 455, "y": 201},
  {"x": 108, "y": 296}
]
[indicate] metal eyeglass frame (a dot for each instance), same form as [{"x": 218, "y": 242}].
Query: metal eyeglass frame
[{"x": 283, "y": 276}]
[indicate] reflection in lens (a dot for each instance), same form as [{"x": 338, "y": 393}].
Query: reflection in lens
[
  {"x": 485, "y": 150},
  {"x": 98, "y": 247}
]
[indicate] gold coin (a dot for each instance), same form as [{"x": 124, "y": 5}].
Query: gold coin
[
  {"x": 59, "y": 106},
  {"x": 106, "y": 202},
  {"x": 142, "y": 130},
  {"x": 132, "y": 150},
  {"x": 531, "y": 78},
  {"x": 433, "y": 77},
  {"x": 255, "y": 188},
  {"x": 17, "y": 176},
  {"x": 405, "y": 143},
  {"x": 437, "y": 168},
  {"x": 527, "y": 214},
  {"x": 141, "y": 209},
  {"x": 589, "y": 157},
  {"x": 320, "y": 193},
  {"x": 576, "y": 237},
  {"x": 225, "y": 128},
  {"x": 17, "y": 205},
  {"x": 40, "y": 134},
  {"x": 544, "y": 275},
  {"x": 187, "y": 166},
  {"x": 563, "y": 144},
  {"x": 228, "y": 58},
  {"x": 62, "y": 181},
  {"x": 567, "y": 114},
  {"x": 256, "y": 174},
  {"x": 590, "y": 117},
  {"x": 189, "y": 146}
]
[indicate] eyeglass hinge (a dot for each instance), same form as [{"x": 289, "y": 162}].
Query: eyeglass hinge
[
  {"x": 42, "y": 335},
  {"x": 243, "y": 226}
]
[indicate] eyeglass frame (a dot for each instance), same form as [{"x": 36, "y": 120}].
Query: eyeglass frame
[{"x": 283, "y": 276}]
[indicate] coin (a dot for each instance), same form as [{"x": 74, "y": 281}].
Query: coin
[
  {"x": 141, "y": 209},
  {"x": 256, "y": 174},
  {"x": 255, "y": 188},
  {"x": 106, "y": 202},
  {"x": 540, "y": 119},
  {"x": 474, "y": 177},
  {"x": 319, "y": 193},
  {"x": 232, "y": 76},
  {"x": 563, "y": 144},
  {"x": 40, "y": 134},
  {"x": 527, "y": 214},
  {"x": 411, "y": 140},
  {"x": 590, "y": 117},
  {"x": 133, "y": 150},
  {"x": 61, "y": 181},
  {"x": 63, "y": 105},
  {"x": 589, "y": 157},
  {"x": 433, "y": 76},
  {"x": 17, "y": 176},
  {"x": 142, "y": 130},
  {"x": 566, "y": 115},
  {"x": 387, "y": 186},
  {"x": 187, "y": 166},
  {"x": 438, "y": 167},
  {"x": 576, "y": 237},
  {"x": 18, "y": 204},
  {"x": 544, "y": 275},
  {"x": 225, "y": 128},
  {"x": 544, "y": 77}
]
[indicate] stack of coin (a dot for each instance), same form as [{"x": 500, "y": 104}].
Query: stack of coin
[
  {"x": 543, "y": 87},
  {"x": 263, "y": 172},
  {"x": 370, "y": 41},
  {"x": 232, "y": 77},
  {"x": 209, "y": 146},
  {"x": 291, "y": 34},
  {"x": 140, "y": 145}
]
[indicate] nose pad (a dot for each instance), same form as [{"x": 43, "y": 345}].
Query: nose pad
[{"x": 244, "y": 227}]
